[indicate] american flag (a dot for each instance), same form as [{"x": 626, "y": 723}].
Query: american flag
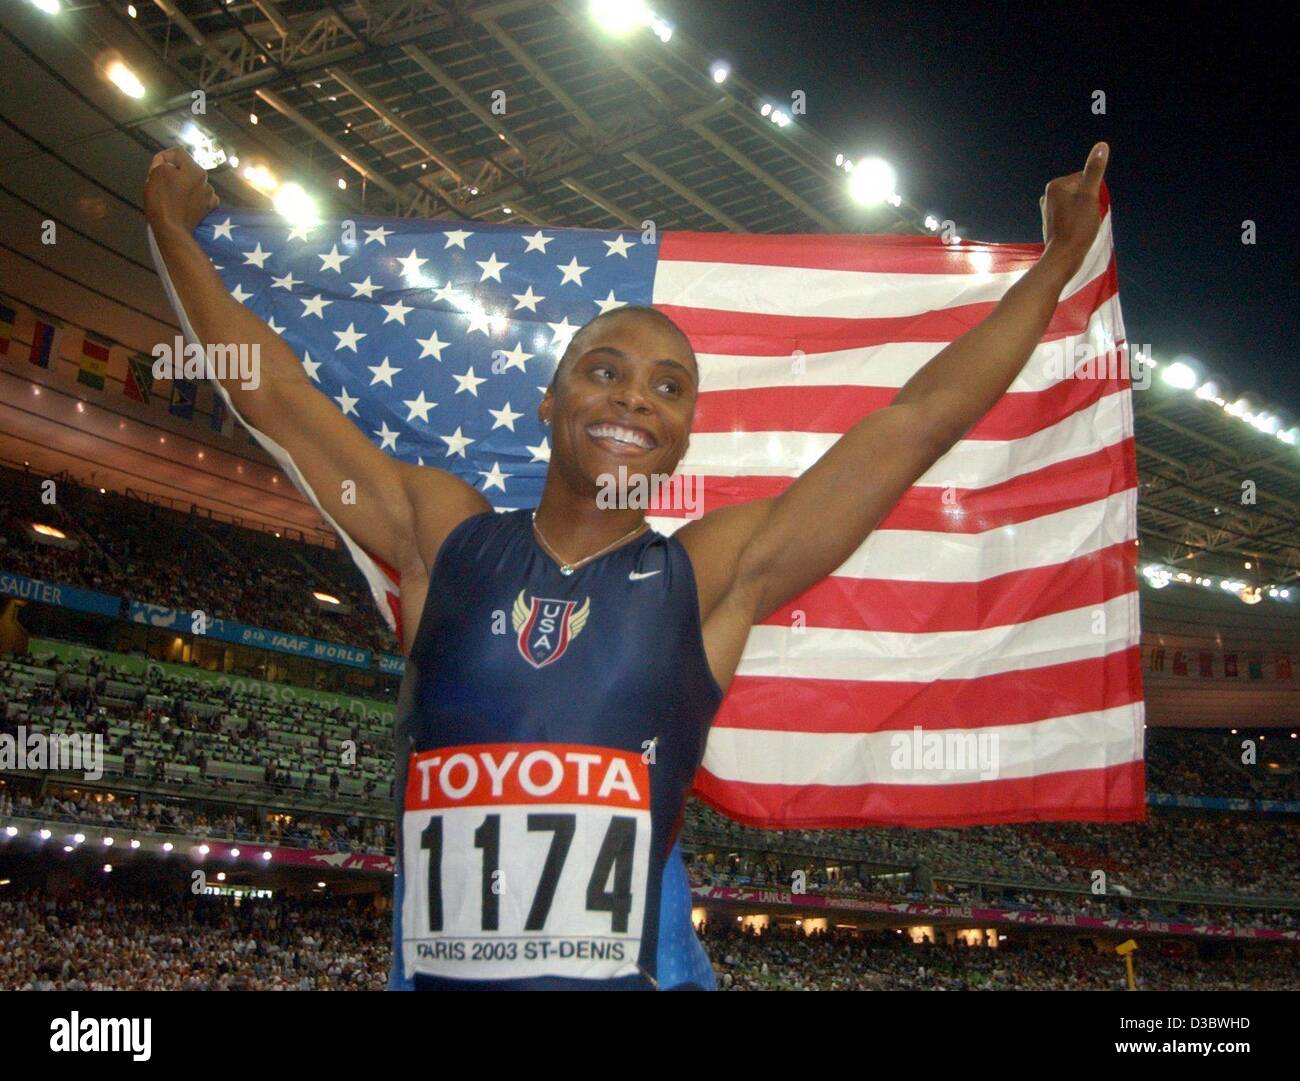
[{"x": 995, "y": 607}]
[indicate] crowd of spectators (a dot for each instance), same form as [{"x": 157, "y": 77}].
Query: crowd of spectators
[
  {"x": 141, "y": 815},
  {"x": 154, "y": 554},
  {"x": 785, "y": 959},
  {"x": 103, "y": 940},
  {"x": 160, "y": 730},
  {"x": 1231, "y": 853},
  {"x": 109, "y": 939}
]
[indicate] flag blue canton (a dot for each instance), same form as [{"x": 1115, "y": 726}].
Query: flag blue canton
[{"x": 437, "y": 339}]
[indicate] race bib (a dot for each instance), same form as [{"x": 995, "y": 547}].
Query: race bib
[{"x": 525, "y": 860}]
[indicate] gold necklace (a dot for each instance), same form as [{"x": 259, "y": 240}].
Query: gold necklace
[{"x": 569, "y": 568}]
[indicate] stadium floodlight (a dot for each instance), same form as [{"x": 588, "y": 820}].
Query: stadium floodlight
[
  {"x": 931, "y": 222},
  {"x": 67, "y": 848},
  {"x": 1266, "y": 423},
  {"x": 234, "y": 853},
  {"x": 221, "y": 876},
  {"x": 719, "y": 71},
  {"x": 261, "y": 178},
  {"x": 50, "y": 7},
  {"x": 125, "y": 79},
  {"x": 108, "y": 868},
  {"x": 108, "y": 842},
  {"x": 45, "y": 835},
  {"x": 325, "y": 598},
  {"x": 620, "y": 16},
  {"x": 168, "y": 846},
  {"x": 765, "y": 109},
  {"x": 11, "y": 831},
  {"x": 135, "y": 843},
  {"x": 80, "y": 838},
  {"x": 1209, "y": 391},
  {"x": 296, "y": 206},
  {"x": 1180, "y": 375},
  {"x": 872, "y": 181},
  {"x": 661, "y": 29},
  {"x": 204, "y": 849},
  {"x": 1157, "y": 576},
  {"x": 266, "y": 855},
  {"x": 1291, "y": 436}
]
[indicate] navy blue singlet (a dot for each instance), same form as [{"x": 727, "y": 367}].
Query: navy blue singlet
[{"x": 548, "y": 731}]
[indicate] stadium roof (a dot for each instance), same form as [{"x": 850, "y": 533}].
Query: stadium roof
[{"x": 525, "y": 104}]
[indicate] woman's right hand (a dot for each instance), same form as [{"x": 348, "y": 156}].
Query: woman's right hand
[{"x": 177, "y": 194}]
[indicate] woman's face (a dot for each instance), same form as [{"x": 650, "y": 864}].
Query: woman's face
[{"x": 626, "y": 399}]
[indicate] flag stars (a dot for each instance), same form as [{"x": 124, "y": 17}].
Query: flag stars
[
  {"x": 388, "y": 439},
  {"x": 365, "y": 288},
  {"x": 479, "y": 320},
  {"x": 418, "y": 407},
  {"x": 378, "y": 236},
  {"x": 348, "y": 338},
  {"x": 494, "y": 477},
  {"x": 572, "y": 272},
  {"x": 224, "y": 230},
  {"x": 469, "y": 381},
  {"x": 238, "y": 293},
  {"x": 384, "y": 373},
  {"x": 299, "y": 232},
  {"x": 504, "y": 418},
  {"x": 347, "y": 404},
  {"x": 609, "y": 303},
  {"x": 513, "y": 358},
  {"x": 527, "y": 299},
  {"x": 396, "y": 312},
  {"x": 315, "y": 306},
  {"x": 537, "y": 242},
  {"x": 456, "y": 443},
  {"x": 411, "y": 265},
  {"x": 456, "y": 239},
  {"x": 287, "y": 282},
  {"x": 257, "y": 256},
  {"x": 617, "y": 247},
  {"x": 275, "y": 329},
  {"x": 563, "y": 331},
  {"x": 332, "y": 260},
  {"x": 491, "y": 268},
  {"x": 432, "y": 347},
  {"x": 541, "y": 452},
  {"x": 311, "y": 367}
]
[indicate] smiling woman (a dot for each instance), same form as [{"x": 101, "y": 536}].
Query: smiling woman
[{"x": 624, "y": 640}]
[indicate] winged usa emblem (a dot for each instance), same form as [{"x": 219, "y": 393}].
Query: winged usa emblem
[{"x": 546, "y": 626}]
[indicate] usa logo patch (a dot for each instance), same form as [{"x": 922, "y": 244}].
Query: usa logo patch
[{"x": 545, "y": 627}]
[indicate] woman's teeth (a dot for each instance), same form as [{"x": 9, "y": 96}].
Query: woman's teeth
[{"x": 621, "y": 435}]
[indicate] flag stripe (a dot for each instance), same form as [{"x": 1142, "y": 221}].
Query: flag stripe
[
  {"x": 904, "y": 607},
  {"x": 848, "y": 705},
  {"x": 1103, "y": 794},
  {"x": 1053, "y": 488}
]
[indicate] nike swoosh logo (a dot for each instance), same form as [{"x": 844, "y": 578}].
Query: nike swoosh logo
[{"x": 636, "y": 576}]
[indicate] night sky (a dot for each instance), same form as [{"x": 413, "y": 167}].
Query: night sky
[{"x": 978, "y": 109}]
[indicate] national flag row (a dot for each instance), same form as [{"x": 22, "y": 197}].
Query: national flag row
[{"x": 43, "y": 347}]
